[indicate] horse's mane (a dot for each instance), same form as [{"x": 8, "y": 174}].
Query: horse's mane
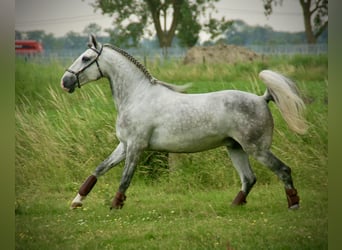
[
  {"x": 142, "y": 68},
  {"x": 135, "y": 62}
]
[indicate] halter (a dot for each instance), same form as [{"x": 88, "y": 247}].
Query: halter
[{"x": 98, "y": 52}]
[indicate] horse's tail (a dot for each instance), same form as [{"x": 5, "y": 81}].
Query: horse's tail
[{"x": 285, "y": 94}]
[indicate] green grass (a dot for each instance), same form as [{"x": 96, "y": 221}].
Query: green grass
[
  {"x": 155, "y": 218},
  {"x": 60, "y": 138}
]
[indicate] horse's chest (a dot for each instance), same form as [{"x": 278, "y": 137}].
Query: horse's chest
[{"x": 133, "y": 126}]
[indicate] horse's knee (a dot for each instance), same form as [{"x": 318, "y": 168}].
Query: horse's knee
[
  {"x": 102, "y": 168},
  {"x": 284, "y": 174},
  {"x": 286, "y": 169}
]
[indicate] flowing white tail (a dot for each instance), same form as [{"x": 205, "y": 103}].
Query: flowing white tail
[{"x": 285, "y": 94}]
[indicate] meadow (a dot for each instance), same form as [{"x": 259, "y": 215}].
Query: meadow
[{"x": 175, "y": 201}]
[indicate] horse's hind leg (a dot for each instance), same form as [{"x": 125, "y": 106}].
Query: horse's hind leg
[
  {"x": 116, "y": 157},
  {"x": 241, "y": 163},
  {"x": 283, "y": 172}
]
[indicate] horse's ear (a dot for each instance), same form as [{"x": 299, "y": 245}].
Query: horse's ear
[{"x": 92, "y": 41}]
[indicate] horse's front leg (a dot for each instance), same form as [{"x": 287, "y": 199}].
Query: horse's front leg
[
  {"x": 116, "y": 157},
  {"x": 132, "y": 159}
]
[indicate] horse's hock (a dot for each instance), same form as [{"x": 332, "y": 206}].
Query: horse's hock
[{"x": 220, "y": 54}]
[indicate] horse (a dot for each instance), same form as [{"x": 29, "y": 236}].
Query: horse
[{"x": 158, "y": 116}]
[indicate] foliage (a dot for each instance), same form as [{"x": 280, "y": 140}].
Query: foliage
[
  {"x": 241, "y": 33},
  {"x": 189, "y": 28},
  {"x": 182, "y": 13},
  {"x": 73, "y": 40},
  {"x": 315, "y": 14},
  {"x": 216, "y": 28},
  {"x": 92, "y": 28},
  {"x": 238, "y": 33},
  {"x": 60, "y": 138}
]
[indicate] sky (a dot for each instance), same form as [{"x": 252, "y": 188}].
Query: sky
[{"x": 61, "y": 16}]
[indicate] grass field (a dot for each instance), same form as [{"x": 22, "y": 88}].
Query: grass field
[{"x": 60, "y": 138}]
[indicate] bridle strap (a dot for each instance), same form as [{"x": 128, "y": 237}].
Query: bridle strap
[
  {"x": 87, "y": 66},
  {"x": 98, "y": 67},
  {"x": 76, "y": 74},
  {"x": 98, "y": 54}
]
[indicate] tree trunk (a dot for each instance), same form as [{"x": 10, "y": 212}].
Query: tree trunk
[
  {"x": 165, "y": 36},
  {"x": 310, "y": 36}
]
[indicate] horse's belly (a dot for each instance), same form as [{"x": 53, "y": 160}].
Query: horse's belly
[{"x": 186, "y": 143}]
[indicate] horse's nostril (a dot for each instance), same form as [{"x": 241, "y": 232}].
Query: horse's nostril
[{"x": 63, "y": 86}]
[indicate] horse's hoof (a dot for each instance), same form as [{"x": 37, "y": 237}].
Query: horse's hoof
[
  {"x": 292, "y": 198},
  {"x": 77, "y": 201},
  {"x": 118, "y": 201},
  {"x": 75, "y": 205},
  {"x": 116, "y": 207},
  {"x": 240, "y": 199},
  {"x": 294, "y": 207}
]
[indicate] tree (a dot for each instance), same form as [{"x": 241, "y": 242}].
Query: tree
[
  {"x": 241, "y": 33},
  {"x": 128, "y": 36},
  {"x": 315, "y": 13},
  {"x": 189, "y": 28},
  {"x": 92, "y": 28},
  {"x": 215, "y": 27},
  {"x": 133, "y": 17},
  {"x": 49, "y": 42},
  {"x": 73, "y": 40},
  {"x": 35, "y": 35}
]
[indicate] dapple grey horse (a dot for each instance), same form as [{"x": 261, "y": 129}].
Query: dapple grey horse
[{"x": 154, "y": 115}]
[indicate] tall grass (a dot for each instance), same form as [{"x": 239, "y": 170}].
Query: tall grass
[{"x": 176, "y": 201}]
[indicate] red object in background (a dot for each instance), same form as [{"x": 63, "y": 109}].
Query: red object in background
[{"x": 28, "y": 47}]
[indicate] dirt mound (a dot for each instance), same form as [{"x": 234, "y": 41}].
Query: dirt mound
[{"x": 220, "y": 54}]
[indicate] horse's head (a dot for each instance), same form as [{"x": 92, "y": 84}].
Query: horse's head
[{"x": 85, "y": 68}]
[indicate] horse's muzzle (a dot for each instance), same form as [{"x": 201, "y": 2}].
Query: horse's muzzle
[{"x": 68, "y": 85}]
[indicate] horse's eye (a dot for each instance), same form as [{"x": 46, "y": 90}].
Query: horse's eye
[{"x": 85, "y": 59}]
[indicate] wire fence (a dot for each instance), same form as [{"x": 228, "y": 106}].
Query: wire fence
[
  {"x": 309, "y": 49},
  {"x": 145, "y": 54}
]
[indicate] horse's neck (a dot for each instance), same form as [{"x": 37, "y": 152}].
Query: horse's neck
[{"x": 125, "y": 78}]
